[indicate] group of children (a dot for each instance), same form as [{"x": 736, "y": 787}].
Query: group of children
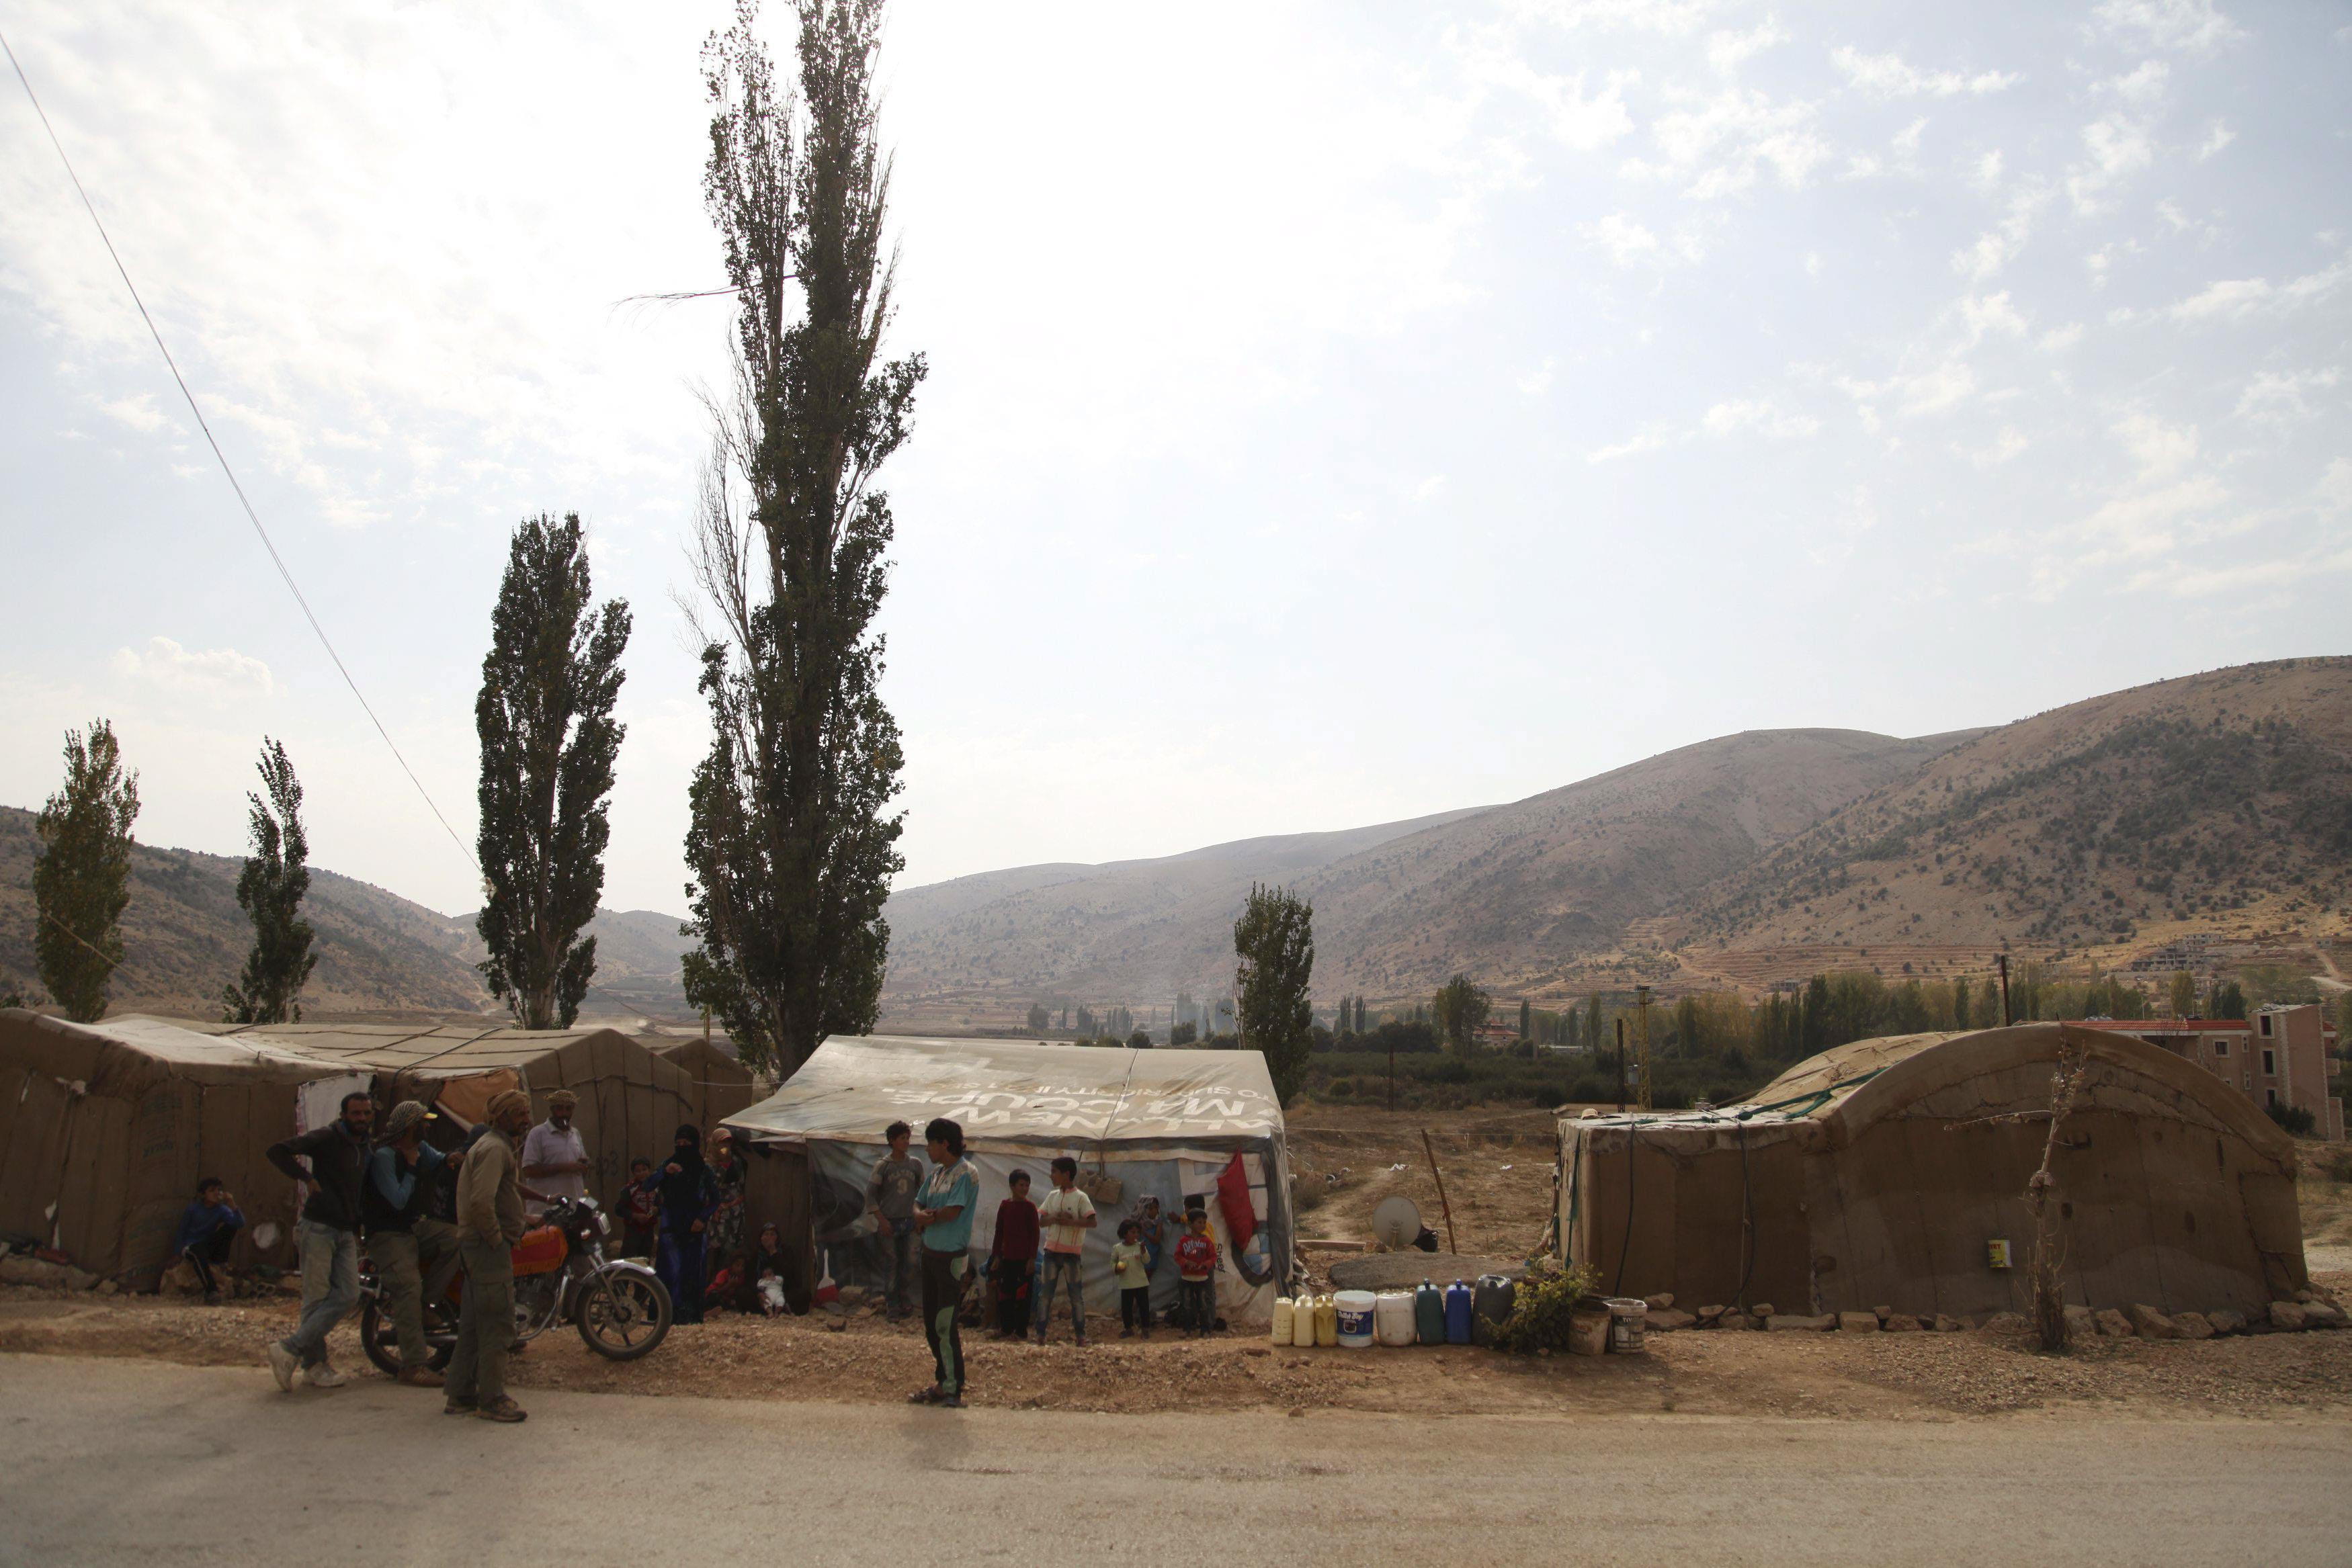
[{"x": 1037, "y": 1255}]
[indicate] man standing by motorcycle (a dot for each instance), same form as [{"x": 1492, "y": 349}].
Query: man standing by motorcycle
[
  {"x": 489, "y": 1222},
  {"x": 406, "y": 1244},
  {"x": 555, "y": 1156},
  {"x": 328, "y": 1235}
]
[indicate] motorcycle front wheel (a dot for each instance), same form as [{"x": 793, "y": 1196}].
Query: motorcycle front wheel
[{"x": 624, "y": 1314}]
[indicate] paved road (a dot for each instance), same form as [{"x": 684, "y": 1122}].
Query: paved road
[{"x": 111, "y": 1461}]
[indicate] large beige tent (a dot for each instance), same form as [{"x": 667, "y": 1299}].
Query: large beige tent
[
  {"x": 105, "y": 1127},
  {"x": 1884, "y": 1173},
  {"x": 722, "y": 1084}
]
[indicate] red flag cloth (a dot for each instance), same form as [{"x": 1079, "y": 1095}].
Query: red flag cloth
[{"x": 1233, "y": 1197}]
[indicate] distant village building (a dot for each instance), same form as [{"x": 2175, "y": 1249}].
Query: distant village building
[{"x": 2283, "y": 1056}]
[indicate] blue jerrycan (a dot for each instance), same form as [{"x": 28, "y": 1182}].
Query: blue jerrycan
[{"x": 1459, "y": 1300}]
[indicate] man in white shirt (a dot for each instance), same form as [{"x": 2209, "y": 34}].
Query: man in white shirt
[
  {"x": 1065, "y": 1216},
  {"x": 555, "y": 1156}
]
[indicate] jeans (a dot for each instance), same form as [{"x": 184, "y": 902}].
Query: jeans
[
  {"x": 330, "y": 1287},
  {"x": 679, "y": 1265},
  {"x": 944, "y": 1274},
  {"x": 904, "y": 1246},
  {"x": 486, "y": 1326},
  {"x": 1063, "y": 1270},
  {"x": 1135, "y": 1308},
  {"x": 1200, "y": 1303},
  {"x": 404, "y": 1260}
]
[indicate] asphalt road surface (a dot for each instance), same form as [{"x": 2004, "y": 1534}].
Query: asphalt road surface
[{"x": 120, "y": 1461}]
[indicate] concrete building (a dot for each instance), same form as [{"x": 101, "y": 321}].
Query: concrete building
[{"x": 2280, "y": 1056}]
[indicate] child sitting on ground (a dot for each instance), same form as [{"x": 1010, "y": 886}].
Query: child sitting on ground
[
  {"x": 1132, "y": 1269},
  {"x": 768, "y": 1271},
  {"x": 1196, "y": 1274}
]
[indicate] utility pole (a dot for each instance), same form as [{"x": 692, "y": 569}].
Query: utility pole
[
  {"x": 2006, "y": 1018},
  {"x": 1641, "y": 1037},
  {"x": 1621, "y": 1064}
]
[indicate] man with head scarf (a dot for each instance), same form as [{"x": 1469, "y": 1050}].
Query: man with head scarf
[
  {"x": 406, "y": 1243},
  {"x": 489, "y": 1222},
  {"x": 555, "y": 1157},
  {"x": 688, "y": 1194}
]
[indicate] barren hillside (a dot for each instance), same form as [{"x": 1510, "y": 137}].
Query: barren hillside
[{"x": 2183, "y": 802}]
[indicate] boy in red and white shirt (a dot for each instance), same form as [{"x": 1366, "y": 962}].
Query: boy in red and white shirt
[{"x": 1196, "y": 1274}]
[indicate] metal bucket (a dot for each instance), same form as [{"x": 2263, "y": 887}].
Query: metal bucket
[{"x": 1629, "y": 1319}]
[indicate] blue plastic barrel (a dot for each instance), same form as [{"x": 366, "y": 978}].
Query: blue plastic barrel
[
  {"x": 1429, "y": 1315},
  {"x": 1460, "y": 1299}
]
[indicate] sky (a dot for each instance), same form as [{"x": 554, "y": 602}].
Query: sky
[{"x": 1337, "y": 413}]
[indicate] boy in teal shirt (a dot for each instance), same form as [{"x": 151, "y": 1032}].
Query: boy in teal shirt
[{"x": 943, "y": 1208}]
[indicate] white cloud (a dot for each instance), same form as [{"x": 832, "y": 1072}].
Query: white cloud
[
  {"x": 2142, "y": 86},
  {"x": 2216, "y": 137},
  {"x": 2283, "y": 397},
  {"x": 1992, "y": 313},
  {"x": 2334, "y": 491},
  {"x": 216, "y": 671},
  {"x": 1723, "y": 145},
  {"x": 2192, "y": 25},
  {"x": 1672, "y": 17},
  {"x": 1537, "y": 381},
  {"x": 2005, "y": 446},
  {"x": 137, "y": 410},
  {"x": 1758, "y": 417},
  {"x": 1650, "y": 438},
  {"x": 2238, "y": 298},
  {"x": 1985, "y": 174},
  {"x": 1625, "y": 238},
  {"x": 1728, "y": 50},
  {"x": 1889, "y": 76},
  {"x": 2059, "y": 339},
  {"x": 1428, "y": 490},
  {"x": 1934, "y": 391},
  {"x": 2000, "y": 245},
  {"x": 2119, "y": 147},
  {"x": 2161, "y": 450}
]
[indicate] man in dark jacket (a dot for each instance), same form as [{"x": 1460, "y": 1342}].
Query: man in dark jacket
[
  {"x": 406, "y": 1244},
  {"x": 328, "y": 1236}
]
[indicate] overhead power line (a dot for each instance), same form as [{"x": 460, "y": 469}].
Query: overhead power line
[{"x": 251, "y": 516}]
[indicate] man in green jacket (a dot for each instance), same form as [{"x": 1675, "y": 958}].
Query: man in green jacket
[{"x": 489, "y": 1222}]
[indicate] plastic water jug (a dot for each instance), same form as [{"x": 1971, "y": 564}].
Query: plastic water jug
[
  {"x": 1428, "y": 1314},
  {"x": 1284, "y": 1313},
  {"x": 1459, "y": 1303},
  {"x": 1352, "y": 1316},
  {"x": 1491, "y": 1303},
  {"x": 1302, "y": 1321},
  {"x": 1327, "y": 1322},
  {"x": 1392, "y": 1318}
]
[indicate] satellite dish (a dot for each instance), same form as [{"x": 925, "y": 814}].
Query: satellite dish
[{"x": 1396, "y": 1222}]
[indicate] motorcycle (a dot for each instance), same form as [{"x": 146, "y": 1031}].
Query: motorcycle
[{"x": 561, "y": 1276}]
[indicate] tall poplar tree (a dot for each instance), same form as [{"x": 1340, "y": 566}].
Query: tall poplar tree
[
  {"x": 269, "y": 890},
  {"x": 81, "y": 881},
  {"x": 792, "y": 843},
  {"x": 1275, "y": 942},
  {"x": 549, "y": 744}
]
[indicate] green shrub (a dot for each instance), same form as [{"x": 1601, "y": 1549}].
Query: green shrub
[
  {"x": 1540, "y": 1311},
  {"x": 2294, "y": 1118},
  {"x": 1342, "y": 1088}
]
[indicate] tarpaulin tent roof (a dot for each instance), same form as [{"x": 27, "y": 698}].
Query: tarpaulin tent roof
[{"x": 1050, "y": 1095}]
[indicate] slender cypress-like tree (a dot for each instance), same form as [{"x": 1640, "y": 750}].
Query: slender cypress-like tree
[
  {"x": 81, "y": 882},
  {"x": 792, "y": 843},
  {"x": 269, "y": 890},
  {"x": 549, "y": 744},
  {"x": 1275, "y": 940}
]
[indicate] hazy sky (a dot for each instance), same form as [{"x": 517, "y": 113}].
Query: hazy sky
[{"x": 1338, "y": 413}]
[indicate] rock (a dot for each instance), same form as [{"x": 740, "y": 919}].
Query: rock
[
  {"x": 1881, "y": 1313},
  {"x": 18, "y": 1269},
  {"x": 2227, "y": 1321},
  {"x": 2322, "y": 1315},
  {"x": 2150, "y": 1324},
  {"x": 2080, "y": 1324},
  {"x": 1785, "y": 1323},
  {"x": 2005, "y": 1322},
  {"x": 107, "y": 1286},
  {"x": 80, "y": 1278},
  {"x": 1708, "y": 1317},
  {"x": 1666, "y": 1320},
  {"x": 1735, "y": 1321},
  {"x": 2192, "y": 1325},
  {"x": 1659, "y": 1302},
  {"x": 1857, "y": 1323},
  {"x": 1947, "y": 1324},
  {"x": 2305, "y": 1296},
  {"x": 2286, "y": 1315},
  {"x": 1760, "y": 1310},
  {"x": 838, "y": 1325},
  {"x": 1901, "y": 1322},
  {"x": 2113, "y": 1324}
]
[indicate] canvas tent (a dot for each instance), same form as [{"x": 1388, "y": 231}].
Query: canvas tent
[
  {"x": 1877, "y": 1174},
  {"x": 1161, "y": 1124},
  {"x": 721, "y": 1085},
  {"x": 105, "y": 1127}
]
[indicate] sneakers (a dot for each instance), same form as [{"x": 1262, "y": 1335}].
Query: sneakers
[
  {"x": 324, "y": 1376},
  {"x": 282, "y": 1363},
  {"x": 1125, "y": 1333},
  {"x": 501, "y": 1409},
  {"x": 419, "y": 1377}
]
